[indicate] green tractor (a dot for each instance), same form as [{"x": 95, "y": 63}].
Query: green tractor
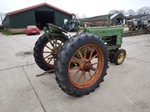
[{"x": 80, "y": 62}]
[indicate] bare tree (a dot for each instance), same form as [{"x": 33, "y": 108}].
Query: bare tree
[
  {"x": 80, "y": 17},
  {"x": 113, "y": 11},
  {"x": 143, "y": 10},
  {"x": 83, "y": 16},
  {"x": 122, "y": 12},
  {"x": 116, "y": 11},
  {"x": 77, "y": 16},
  {"x": 2, "y": 16},
  {"x": 130, "y": 12}
]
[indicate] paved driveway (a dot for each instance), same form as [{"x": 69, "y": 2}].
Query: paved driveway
[{"x": 126, "y": 87}]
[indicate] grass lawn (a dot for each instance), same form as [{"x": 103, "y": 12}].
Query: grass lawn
[{"x": 6, "y": 32}]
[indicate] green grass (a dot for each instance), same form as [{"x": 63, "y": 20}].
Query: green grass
[{"x": 6, "y": 32}]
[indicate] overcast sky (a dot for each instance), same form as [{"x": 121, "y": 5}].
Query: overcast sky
[{"x": 88, "y": 8}]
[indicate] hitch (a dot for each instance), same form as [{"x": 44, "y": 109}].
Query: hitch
[{"x": 49, "y": 71}]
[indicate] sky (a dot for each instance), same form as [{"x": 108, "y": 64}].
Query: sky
[{"x": 88, "y": 8}]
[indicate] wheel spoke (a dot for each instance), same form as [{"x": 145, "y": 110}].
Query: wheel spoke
[
  {"x": 47, "y": 56},
  {"x": 91, "y": 54},
  {"x": 90, "y": 75},
  {"x": 85, "y": 52},
  {"x": 75, "y": 60},
  {"x": 54, "y": 61},
  {"x": 47, "y": 52},
  {"x": 55, "y": 43},
  {"x": 50, "y": 60},
  {"x": 95, "y": 63},
  {"x": 74, "y": 68},
  {"x": 94, "y": 56},
  {"x": 48, "y": 47},
  {"x": 80, "y": 55},
  {"x": 75, "y": 74},
  {"x": 80, "y": 77},
  {"x": 92, "y": 68}
]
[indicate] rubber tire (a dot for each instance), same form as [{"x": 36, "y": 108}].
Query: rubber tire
[
  {"x": 38, "y": 57},
  {"x": 64, "y": 57},
  {"x": 111, "y": 55},
  {"x": 117, "y": 55}
]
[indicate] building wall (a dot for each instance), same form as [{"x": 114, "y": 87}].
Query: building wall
[
  {"x": 59, "y": 17},
  {"x": 22, "y": 19},
  {"x": 97, "y": 23},
  {"x": 114, "y": 20},
  {"x": 102, "y": 20},
  {"x": 6, "y": 22}
]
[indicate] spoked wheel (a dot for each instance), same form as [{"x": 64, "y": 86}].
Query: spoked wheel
[
  {"x": 89, "y": 66},
  {"x": 120, "y": 56},
  {"x": 45, "y": 54},
  {"x": 81, "y": 64}
]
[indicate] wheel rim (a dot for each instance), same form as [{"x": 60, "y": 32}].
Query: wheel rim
[
  {"x": 86, "y": 66},
  {"x": 121, "y": 57},
  {"x": 49, "y": 52}
]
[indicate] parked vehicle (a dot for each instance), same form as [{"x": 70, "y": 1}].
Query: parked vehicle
[
  {"x": 32, "y": 29},
  {"x": 137, "y": 24},
  {"x": 69, "y": 25}
]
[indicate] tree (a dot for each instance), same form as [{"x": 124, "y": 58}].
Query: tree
[
  {"x": 143, "y": 10},
  {"x": 130, "y": 12},
  {"x": 83, "y": 16},
  {"x": 2, "y": 16},
  {"x": 113, "y": 11},
  {"x": 77, "y": 16},
  {"x": 122, "y": 12},
  {"x": 80, "y": 17},
  {"x": 116, "y": 11}
]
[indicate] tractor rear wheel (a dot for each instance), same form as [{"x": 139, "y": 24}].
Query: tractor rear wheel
[
  {"x": 81, "y": 64},
  {"x": 45, "y": 54}
]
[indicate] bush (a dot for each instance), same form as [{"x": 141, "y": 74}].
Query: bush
[{"x": 6, "y": 32}]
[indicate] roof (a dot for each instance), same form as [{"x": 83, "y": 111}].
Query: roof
[
  {"x": 96, "y": 18},
  {"x": 101, "y": 17},
  {"x": 35, "y": 6},
  {"x": 136, "y": 16},
  {"x": 114, "y": 15}
]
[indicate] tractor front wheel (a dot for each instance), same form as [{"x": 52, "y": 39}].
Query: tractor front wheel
[
  {"x": 81, "y": 64},
  {"x": 120, "y": 56}
]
